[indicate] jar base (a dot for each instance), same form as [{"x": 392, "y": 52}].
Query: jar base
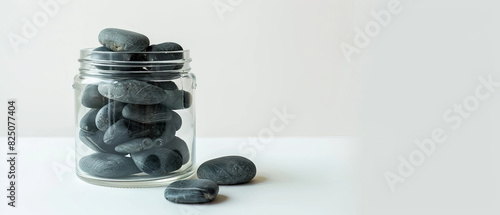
[{"x": 137, "y": 183}]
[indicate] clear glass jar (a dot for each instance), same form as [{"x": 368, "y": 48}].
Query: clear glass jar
[{"x": 135, "y": 118}]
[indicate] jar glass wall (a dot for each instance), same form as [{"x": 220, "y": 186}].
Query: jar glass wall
[{"x": 135, "y": 118}]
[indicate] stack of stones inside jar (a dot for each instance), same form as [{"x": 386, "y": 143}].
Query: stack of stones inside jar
[{"x": 132, "y": 124}]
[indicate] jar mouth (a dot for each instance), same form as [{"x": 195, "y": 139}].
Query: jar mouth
[{"x": 103, "y": 62}]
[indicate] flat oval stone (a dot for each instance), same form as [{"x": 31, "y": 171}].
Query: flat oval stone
[
  {"x": 88, "y": 120},
  {"x": 109, "y": 115},
  {"x": 192, "y": 191},
  {"x": 135, "y": 145},
  {"x": 125, "y": 130},
  {"x": 108, "y": 165},
  {"x": 177, "y": 99},
  {"x": 157, "y": 161},
  {"x": 120, "y": 40},
  {"x": 228, "y": 170},
  {"x": 133, "y": 91},
  {"x": 91, "y": 97},
  {"x": 95, "y": 141},
  {"x": 147, "y": 113},
  {"x": 176, "y": 144}
]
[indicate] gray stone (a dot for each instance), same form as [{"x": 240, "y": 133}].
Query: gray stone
[
  {"x": 105, "y": 54},
  {"x": 120, "y": 40},
  {"x": 105, "y": 59},
  {"x": 135, "y": 145},
  {"x": 125, "y": 130},
  {"x": 170, "y": 53},
  {"x": 109, "y": 115},
  {"x": 91, "y": 97},
  {"x": 228, "y": 170},
  {"x": 88, "y": 120},
  {"x": 157, "y": 161},
  {"x": 102, "y": 53},
  {"x": 95, "y": 141},
  {"x": 176, "y": 144},
  {"x": 108, "y": 165},
  {"x": 177, "y": 99},
  {"x": 176, "y": 121},
  {"x": 147, "y": 113},
  {"x": 192, "y": 191},
  {"x": 133, "y": 91},
  {"x": 167, "y": 135},
  {"x": 166, "y": 48}
]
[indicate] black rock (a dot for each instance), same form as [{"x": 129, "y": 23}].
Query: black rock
[
  {"x": 87, "y": 122},
  {"x": 106, "y": 55},
  {"x": 166, "y": 48},
  {"x": 176, "y": 121},
  {"x": 147, "y": 113},
  {"x": 135, "y": 145},
  {"x": 175, "y": 144},
  {"x": 109, "y": 115},
  {"x": 157, "y": 161},
  {"x": 120, "y": 40},
  {"x": 125, "y": 130},
  {"x": 108, "y": 165},
  {"x": 192, "y": 191},
  {"x": 105, "y": 59},
  {"x": 188, "y": 99},
  {"x": 228, "y": 170},
  {"x": 167, "y": 85},
  {"x": 177, "y": 99},
  {"x": 167, "y": 52},
  {"x": 103, "y": 53},
  {"x": 167, "y": 135},
  {"x": 91, "y": 97},
  {"x": 133, "y": 91},
  {"x": 95, "y": 141}
]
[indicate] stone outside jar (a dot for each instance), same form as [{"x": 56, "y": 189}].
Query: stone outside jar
[{"x": 135, "y": 118}]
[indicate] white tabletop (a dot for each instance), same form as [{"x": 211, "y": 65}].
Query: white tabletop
[{"x": 294, "y": 176}]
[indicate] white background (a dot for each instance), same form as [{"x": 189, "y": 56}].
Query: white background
[
  {"x": 249, "y": 61},
  {"x": 266, "y": 55}
]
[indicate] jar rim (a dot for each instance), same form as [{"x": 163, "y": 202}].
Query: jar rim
[
  {"x": 131, "y": 62},
  {"x": 91, "y": 50}
]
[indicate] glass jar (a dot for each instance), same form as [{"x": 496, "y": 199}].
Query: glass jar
[{"x": 135, "y": 118}]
